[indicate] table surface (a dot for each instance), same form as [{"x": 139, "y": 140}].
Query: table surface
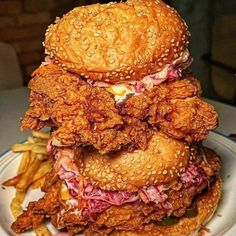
[{"x": 14, "y": 102}]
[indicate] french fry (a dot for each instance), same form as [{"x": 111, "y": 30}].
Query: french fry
[
  {"x": 45, "y": 167},
  {"x": 41, "y": 157},
  {"x": 38, "y": 156},
  {"x": 27, "y": 177},
  {"x": 24, "y": 163},
  {"x": 38, "y": 183},
  {"x": 43, "y": 143},
  {"x": 16, "y": 202},
  {"x": 22, "y": 147},
  {"x": 30, "y": 139},
  {"x": 33, "y": 167},
  {"x": 41, "y": 135},
  {"x": 38, "y": 149},
  {"x": 37, "y": 141},
  {"x": 42, "y": 230},
  {"x": 12, "y": 181}
]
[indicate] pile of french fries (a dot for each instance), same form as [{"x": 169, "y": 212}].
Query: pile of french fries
[{"x": 34, "y": 166}]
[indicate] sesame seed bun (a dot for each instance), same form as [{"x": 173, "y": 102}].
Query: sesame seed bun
[
  {"x": 162, "y": 161},
  {"x": 117, "y": 41},
  {"x": 206, "y": 203}
]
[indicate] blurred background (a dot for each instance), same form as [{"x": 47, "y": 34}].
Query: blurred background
[{"x": 212, "y": 25}]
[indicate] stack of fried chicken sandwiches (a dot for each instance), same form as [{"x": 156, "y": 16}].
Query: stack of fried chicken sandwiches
[{"x": 127, "y": 125}]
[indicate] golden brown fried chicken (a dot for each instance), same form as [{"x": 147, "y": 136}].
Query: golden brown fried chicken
[
  {"x": 35, "y": 214},
  {"x": 81, "y": 114},
  {"x": 175, "y": 108}
]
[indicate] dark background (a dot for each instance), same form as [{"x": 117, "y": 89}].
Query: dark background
[{"x": 212, "y": 24}]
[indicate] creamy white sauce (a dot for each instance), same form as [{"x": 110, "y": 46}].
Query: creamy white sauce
[{"x": 120, "y": 91}]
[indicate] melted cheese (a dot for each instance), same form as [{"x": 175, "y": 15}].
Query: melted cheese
[{"x": 120, "y": 91}]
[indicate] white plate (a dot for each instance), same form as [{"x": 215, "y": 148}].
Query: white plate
[{"x": 223, "y": 223}]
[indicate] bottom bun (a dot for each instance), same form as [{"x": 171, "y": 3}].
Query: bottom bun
[{"x": 206, "y": 203}]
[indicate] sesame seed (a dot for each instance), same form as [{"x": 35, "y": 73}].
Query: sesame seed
[{"x": 164, "y": 172}]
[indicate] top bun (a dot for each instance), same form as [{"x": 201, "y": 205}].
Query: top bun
[
  {"x": 162, "y": 162},
  {"x": 117, "y": 42}
]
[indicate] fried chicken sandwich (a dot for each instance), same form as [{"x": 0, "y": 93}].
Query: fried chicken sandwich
[{"x": 126, "y": 122}]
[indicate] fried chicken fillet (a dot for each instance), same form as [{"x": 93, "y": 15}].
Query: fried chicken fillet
[{"x": 81, "y": 114}]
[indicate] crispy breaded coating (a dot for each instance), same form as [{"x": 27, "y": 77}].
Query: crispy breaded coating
[
  {"x": 37, "y": 211},
  {"x": 81, "y": 114},
  {"x": 206, "y": 205},
  {"x": 190, "y": 119},
  {"x": 174, "y": 108}
]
